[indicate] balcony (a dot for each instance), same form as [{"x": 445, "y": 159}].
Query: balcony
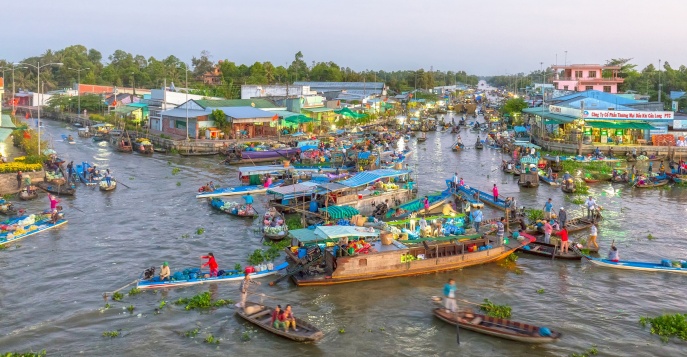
[{"x": 587, "y": 79}]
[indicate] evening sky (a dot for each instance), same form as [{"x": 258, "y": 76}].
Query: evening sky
[{"x": 483, "y": 37}]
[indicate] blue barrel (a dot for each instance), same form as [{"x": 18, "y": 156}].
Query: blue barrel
[
  {"x": 302, "y": 252},
  {"x": 667, "y": 263},
  {"x": 313, "y": 206}
]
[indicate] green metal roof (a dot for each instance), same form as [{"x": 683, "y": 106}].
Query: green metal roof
[
  {"x": 7, "y": 122},
  {"x": 318, "y": 110},
  {"x": 256, "y": 103},
  {"x": 126, "y": 109},
  {"x": 548, "y": 115},
  {"x": 612, "y": 125},
  {"x": 4, "y": 134}
]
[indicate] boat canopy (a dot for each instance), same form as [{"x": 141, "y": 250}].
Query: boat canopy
[
  {"x": 335, "y": 232},
  {"x": 261, "y": 170},
  {"x": 527, "y": 144},
  {"x": 519, "y": 129},
  {"x": 293, "y": 191},
  {"x": 367, "y": 177}
]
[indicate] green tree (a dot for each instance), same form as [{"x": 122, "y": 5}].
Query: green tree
[
  {"x": 513, "y": 106},
  {"x": 203, "y": 64},
  {"x": 220, "y": 119}
]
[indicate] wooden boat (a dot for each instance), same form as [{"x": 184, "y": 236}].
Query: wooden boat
[
  {"x": 68, "y": 139},
  {"x": 380, "y": 259},
  {"x": 239, "y": 190},
  {"x": 201, "y": 153},
  {"x": 568, "y": 188},
  {"x": 7, "y": 208},
  {"x": 528, "y": 179},
  {"x": 143, "y": 146},
  {"x": 39, "y": 226},
  {"x": 650, "y": 184},
  {"x": 244, "y": 156},
  {"x": 104, "y": 186},
  {"x": 195, "y": 276},
  {"x": 421, "y": 139},
  {"x": 261, "y": 316},
  {"x": 546, "y": 250},
  {"x": 479, "y": 145},
  {"x": 545, "y": 179},
  {"x": 26, "y": 195},
  {"x": 502, "y": 328},
  {"x": 573, "y": 225},
  {"x": 484, "y": 197},
  {"x": 84, "y": 176},
  {"x": 99, "y": 136},
  {"x": 436, "y": 201},
  {"x": 641, "y": 266},
  {"x": 589, "y": 180},
  {"x": 122, "y": 143},
  {"x": 278, "y": 232},
  {"x": 457, "y": 146},
  {"x": 234, "y": 210},
  {"x": 60, "y": 190},
  {"x": 160, "y": 150}
]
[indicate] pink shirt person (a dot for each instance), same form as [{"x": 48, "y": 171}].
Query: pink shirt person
[
  {"x": 53, "y": 202},
  {"x": 268, "y": 181}
]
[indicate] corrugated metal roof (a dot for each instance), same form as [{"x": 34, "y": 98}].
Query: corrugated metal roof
[
  {"x": 599, "y": 95},
  {"x": 7, "y": 122},
  {"x": 181, "y": 113},
  {"x": 283, "y": 113},
  {"x": 341, "y": 85},
  {"x": 318, "y": 110},
  {"x": 367, "y": 177},
  {"x": 254, "y": 102},
  {"x": 245, "y": 112},
  {"x": 546, "y": 114}
]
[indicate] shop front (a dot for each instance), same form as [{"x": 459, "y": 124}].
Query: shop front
[{"x": 605, "y": 133}]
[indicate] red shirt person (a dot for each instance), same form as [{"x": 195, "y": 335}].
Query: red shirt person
[{"x": 212, "y": 263}]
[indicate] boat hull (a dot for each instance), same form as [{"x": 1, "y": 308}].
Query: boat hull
[
  {"x": 44, "y": 226},
  {"x": 238, "y": 190},
  {"x": 640, "y": 266},
  {"x": 306, "y": 332},
  {"x": 149, "y": 284}
]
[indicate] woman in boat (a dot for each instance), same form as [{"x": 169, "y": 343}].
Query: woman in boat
[
  {"x": 245, "y": 285},
  {"x": 290, "y": 320},
  {"x": 249, "y": 202},
  {"x": 425, "y": 203},
  {"x": 211, "y": 263},
  {"x": 53, "y": 202},
  {"x": 591, "y": 243},
  {"x": 450, "y": 296},
  {"x": 56, "y": 215},
  {"x": 613, "y": 254},
  {"x": 278, "y": 318},
  {"x": 563, "y": 233},
  {"x": 108, "y": 177}
]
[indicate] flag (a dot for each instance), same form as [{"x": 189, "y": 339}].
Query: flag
[
  {"x": 27, "y": 135},
  {"x": 275, "y": 117}
]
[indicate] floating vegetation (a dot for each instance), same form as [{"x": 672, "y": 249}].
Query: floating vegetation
[
  {"x": 512, "y": 258},
  {"x": 192, "y": 333},
  {"x": 493, "y": 310},
  {"x": 245, "y": 336},
  {"x": 667, "y": 326},
  {"x": 185, "y": 235},
  {"x": 590, "y": 352},
  {"x": 117, "y": 296},
  {"x": 107, "y": 306},
  {"x": 540, "y": 291},
  {"x": 534, "y": 215},
  {"x": 578, "y": 200},
  {"x": 237, "y": 267},
  {"x": 134, "y": 291},
  {"x": 211, "y": 339},
  {"x": 176, "y": 170},
  {"x": 178, "y": 183},
  {"x": 342, "y": 330},
  {"x": 111, "y": 334},
  {"x": 294, "y": 223},
  {"x": 163, "y": 303},
  {"x": 257, "y": 257},
  {"x": 130, "y": 308},
  {"x": 200, "y": 231},
  {"x": 201, "y": 301},
  {"x": 650, "y": 237},
  {"x": 24, "y": 354}
]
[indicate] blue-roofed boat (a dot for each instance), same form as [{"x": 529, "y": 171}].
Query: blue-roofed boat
[
  {"x": 239, "y": 190},
  {"x": 545, "y": 179},
  {"x": 470, "y": 194},
  {"x": 666, "y": 266},
  {"x": 84, "y": 176},
  {"x": 436, "y": 200},
  {"x": 195, "y": 276},
  {"x": 68, "y": 139}
]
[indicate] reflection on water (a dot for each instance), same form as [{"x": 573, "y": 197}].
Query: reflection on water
[{"x": 52, "y": 285}]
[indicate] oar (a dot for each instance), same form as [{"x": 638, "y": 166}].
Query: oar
[{"x": 123, "y": 184}]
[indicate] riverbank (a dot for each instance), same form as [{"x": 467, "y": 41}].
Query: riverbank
[{"x": 8, "y": 181}]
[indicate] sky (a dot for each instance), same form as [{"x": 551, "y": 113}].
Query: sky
[{"x": 486, "y": 37}]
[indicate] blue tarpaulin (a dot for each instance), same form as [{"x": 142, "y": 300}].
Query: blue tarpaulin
[{"x": 520, "y": 129}]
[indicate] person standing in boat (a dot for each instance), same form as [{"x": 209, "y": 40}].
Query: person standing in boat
[
  {"x": 563, "y": 233},
  {"x": 70, "y": 171},
  {"x": 548, "y": 207},
  {"x": 53, "y": 202},
  {"x": 450, "y": 296},
  {"x": 501, "y": 229},
  {"x": 592, "y": 237},
  {"x": 211, "y": 263},
  {"x": 19, "y": 179},
  {"x": 548, "y": 229},
  {"x": 425, "y": 203},
  {"x": 455, "y": 181},
  {"x": 249, "y": 202},
  {"x": 268, "y": 181},
  {"x": 590, "y": 203},
  {"x": 164, "y": 272},
  {"x": 495, "y": 192},
  {"x": 108, "y": 177},
  {"x": 613, "y": 254},
  {"x": 476, "y": 217},
  {"x": 245, "y": 285},
  {"x": 562, "y": 217}
]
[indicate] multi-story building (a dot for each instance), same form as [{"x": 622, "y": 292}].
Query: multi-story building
[{"x": 584, "y": 77}]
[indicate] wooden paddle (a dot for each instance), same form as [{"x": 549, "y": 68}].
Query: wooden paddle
[{"x": 121, "y": 183}]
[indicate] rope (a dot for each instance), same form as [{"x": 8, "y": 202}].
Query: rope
[{"x": 105, "y": 294}]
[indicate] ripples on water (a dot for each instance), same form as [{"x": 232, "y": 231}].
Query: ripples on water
[{"x": 52, "y": 284}]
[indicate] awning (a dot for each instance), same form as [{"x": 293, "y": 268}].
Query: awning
[
  {"x": 613, "y": 125},
  {"x": 297, "y": 190},
  {"x": 299, "y": 119},
  {"x": 335, "y": 232},
  {"x": 551, "y": 122},
  {"x": 367, "y": 177},
  {"x": 526, "y": 145},
  {"x": 520, "y": 129},
  {"x": 544, "y": 113},
  {"x": 338, "y": 212},
  {"x": 125, "y": 110},
  {"x": 250, "y": 120},
  {"x": 5, "y": 133},
  {"x": 7, "y": 122}
]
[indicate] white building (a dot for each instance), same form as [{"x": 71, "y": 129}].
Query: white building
[{"x": 249, "y": 91}]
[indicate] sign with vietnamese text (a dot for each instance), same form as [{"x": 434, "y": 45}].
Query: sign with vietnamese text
[
  {"x": 660, "y": 130},
  {"x": 626, "y": 114}
]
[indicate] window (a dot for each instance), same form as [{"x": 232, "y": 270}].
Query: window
[
  {"x": 556, "y": 85},
  {"x": 592, "y": 74},
  {"x": 578, "y": 74},
  {"x": 362, "y": 262},
  {"x": 589, "y": 88},
  {"x": 565, "y": 87},
  {"x": 607, "y": 89}
]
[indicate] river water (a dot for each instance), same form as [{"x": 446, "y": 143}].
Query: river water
[{"x": 52, "y": 283}]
